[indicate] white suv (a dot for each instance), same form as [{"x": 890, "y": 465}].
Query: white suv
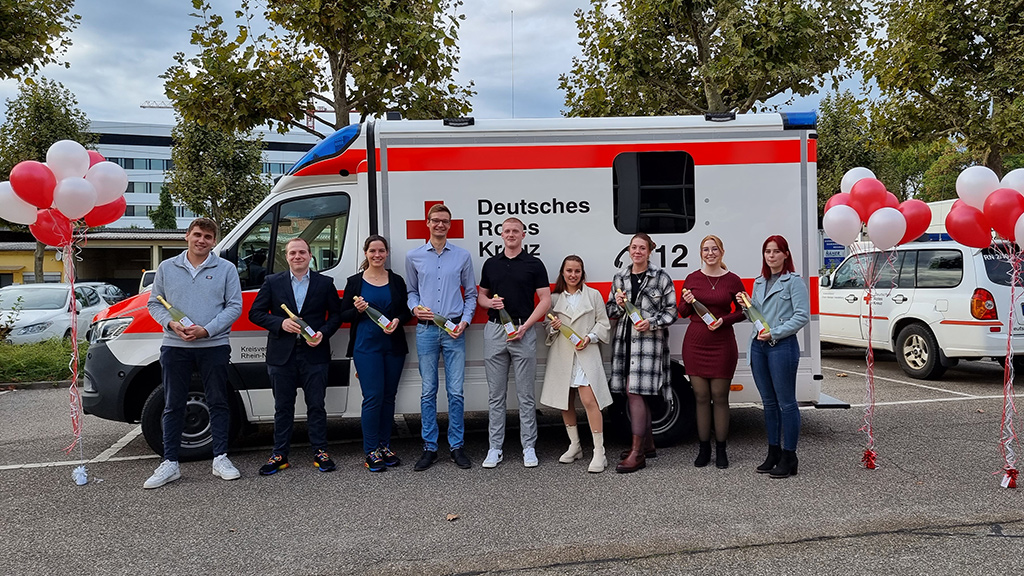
[{"x": 934, "y": 303}]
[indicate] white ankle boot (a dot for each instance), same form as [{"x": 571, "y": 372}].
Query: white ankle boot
[
  {"x": 575, "y": 451},
  {"x": 599, "y": 462}
]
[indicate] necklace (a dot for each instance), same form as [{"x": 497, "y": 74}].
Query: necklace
[{"x": 715, "y": 283}]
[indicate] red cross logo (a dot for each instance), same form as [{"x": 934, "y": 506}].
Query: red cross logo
[{"x": 417, "y": 229}]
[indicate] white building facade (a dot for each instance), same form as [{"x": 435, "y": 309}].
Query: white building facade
[{"x": 144, "y": 151}]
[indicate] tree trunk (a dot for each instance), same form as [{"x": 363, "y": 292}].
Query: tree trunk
[
  {"x": 994, "y": 160},
  {"x": 40, "y": 247}
]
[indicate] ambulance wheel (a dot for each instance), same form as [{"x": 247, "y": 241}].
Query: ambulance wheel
[
  {"x": 917, "y": 353},
  {"x": 197, "y": 435},
  {"x": 672, "y": 420}
]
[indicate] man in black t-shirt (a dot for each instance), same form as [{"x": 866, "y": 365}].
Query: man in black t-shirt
[{"x": 510, "y": 281}]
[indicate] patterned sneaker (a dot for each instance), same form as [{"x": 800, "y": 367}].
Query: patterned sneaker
[
  {"x": 223, "y": 468},
  {"x": 276, "y": 462},
  {"x": 168, "y": 471},
  {"x": 374, "y": 463},
  {"x": 322, "y": 461},
  {"x": 389, "y": 457}
]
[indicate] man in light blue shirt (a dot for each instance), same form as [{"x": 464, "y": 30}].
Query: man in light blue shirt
[{"x": 441, "y": 282}]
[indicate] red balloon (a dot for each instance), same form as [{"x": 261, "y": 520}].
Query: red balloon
[
  {"x": 837, "y": 199},
  {"x": 918, "y": 216},
  {"x": 891, "y": 200},
  {"x": 968, "y": 226},
  {"x": 95, "y": 158},
  {"x": 866, "y": 196},
  {"x": 33, "y": 182},
  {"x": 1002, "y": 209},
  {"x": 51, "y": 228},
  {"x": 106, "y": 213}
]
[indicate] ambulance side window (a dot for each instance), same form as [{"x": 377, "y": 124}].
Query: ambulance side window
[
  {"x": 319, "y": 220},
  {"x": 652, "y": 192}
]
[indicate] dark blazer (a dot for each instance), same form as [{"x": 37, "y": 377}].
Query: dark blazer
[
  {"x": 398, "y": 309},
  {"x": 321, "y": 310}
]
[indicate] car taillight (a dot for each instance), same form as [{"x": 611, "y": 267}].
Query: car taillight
[{"x": 983, "y": 305}]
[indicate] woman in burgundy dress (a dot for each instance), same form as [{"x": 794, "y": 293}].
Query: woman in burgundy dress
[{"x": 709, "y": 347}]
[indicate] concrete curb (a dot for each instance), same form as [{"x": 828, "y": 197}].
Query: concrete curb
[{"x": 37, "y": 385}]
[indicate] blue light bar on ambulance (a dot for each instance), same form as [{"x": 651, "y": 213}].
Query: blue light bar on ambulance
[
  {"x": 331, "y": 146},
  {"x": 799, "y": 120}
]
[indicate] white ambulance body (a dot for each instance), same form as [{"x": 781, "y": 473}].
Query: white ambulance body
[{"x": 581, "y": 186}]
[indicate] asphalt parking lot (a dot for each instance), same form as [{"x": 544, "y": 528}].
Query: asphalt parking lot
[{"x": 934, "y": 505}]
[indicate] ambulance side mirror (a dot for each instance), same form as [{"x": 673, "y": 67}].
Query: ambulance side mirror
[{"x": 826, "y": 281}]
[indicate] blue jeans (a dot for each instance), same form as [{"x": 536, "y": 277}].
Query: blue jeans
[
  {"x": 177, "y": 364},
  {"x": 379, "y": 374},
  {"x": 774, "y": 369},
  {"x": 431, "y": 342},
  {"x": 286, "y": 381}
]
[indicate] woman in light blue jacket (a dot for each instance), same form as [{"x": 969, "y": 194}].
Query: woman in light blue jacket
[{"x": 781, "y": 295}]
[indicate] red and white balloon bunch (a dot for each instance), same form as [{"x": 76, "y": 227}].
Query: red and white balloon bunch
[
  {"x": 986, "y": 204},
  {"x": 74, "y": 184},
  {"x": 863, "y": 199}
]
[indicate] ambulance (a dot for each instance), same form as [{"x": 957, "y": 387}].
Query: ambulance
[{"x": 581, "y": 185}]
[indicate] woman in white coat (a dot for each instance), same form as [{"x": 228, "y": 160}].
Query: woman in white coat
[{"x": 577, "y": 369}]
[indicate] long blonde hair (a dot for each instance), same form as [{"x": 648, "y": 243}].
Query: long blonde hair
[{"x": 721, "y": 248}]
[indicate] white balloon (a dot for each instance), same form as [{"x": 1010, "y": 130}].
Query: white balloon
[
  {"x": 1014, "y": 179},
  {"x": 67, "y": 159},
  {"x": 842, "y": 224},
  {"x": 852, "y": 176},
  {"x": 13, "y": 208},
  {"x": 1018, "y": 231},
  {"x": 886, "y": 227},
  {"x": 974, "y": 184},
  {"x": 110, "y": 181},
  {"x": 74, "y": 197}
]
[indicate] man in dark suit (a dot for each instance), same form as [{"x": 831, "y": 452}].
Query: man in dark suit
[{"x": 298, "y": 357}]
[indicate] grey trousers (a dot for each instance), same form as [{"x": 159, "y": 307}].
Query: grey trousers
[{"x": 522, "y": 356}]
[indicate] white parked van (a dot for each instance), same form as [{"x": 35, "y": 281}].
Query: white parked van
[
  {"x": 934, "y": 303},
  {"x": 581, "y": 185}
]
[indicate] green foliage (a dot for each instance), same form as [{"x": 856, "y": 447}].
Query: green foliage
[
  {"x": 844, "y": 142},
  {"x": 653, "y": 57},
  {"x": 216, "y": 174},
  {"x": 951, "y": 69},
  {"x": 163, "y": 217},
  {"x": 33, "y": 33},
  {"x": 43, "y": 113},
  {"x": 8, "y": 317},
  {"x": 40, "y": 361},
  {"x": 939, "y": 180},
  {"x": 367, "y": 55}
]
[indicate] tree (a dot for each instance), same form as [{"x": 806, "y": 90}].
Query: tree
[
  {"x": 163, "y": 217},
  {"x": 43, "y": 112},
  {"x": 951, "y": 70},
  {"x": 216, "y": 174},
  {"x": 649, "y": 57},
  {"x": 844, "y": 142},
  {"x": 33, "y": 33},
  {"x": 366, "y": 55}
]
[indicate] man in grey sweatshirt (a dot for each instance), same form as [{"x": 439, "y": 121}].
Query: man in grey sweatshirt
[{"x": 202, "y": 298}]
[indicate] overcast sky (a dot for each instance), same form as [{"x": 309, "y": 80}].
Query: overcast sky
[{"x": 122, "y": 46}]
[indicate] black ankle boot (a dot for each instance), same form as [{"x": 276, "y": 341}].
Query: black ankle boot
[
  {"x": 786, "y": 466},
  {"x": 774, "y": 453},
  {"x": 721, "y": 459},
  {"x": 704, "y": 455}
]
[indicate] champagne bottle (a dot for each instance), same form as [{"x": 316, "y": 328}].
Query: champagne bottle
[
  {"x": 702, "y": 311},
  {"x": 176, "y": 315},
  {"x": 506, "y": 321},
  {"x": 632, "y": 311},
  {"x": 307, "y": 332},
  {"x": 568, "y": 333},
  {"x": 378, "y": 318},
  {"x": 760, "y": 322},
  {"x": 443, "y": 323}
]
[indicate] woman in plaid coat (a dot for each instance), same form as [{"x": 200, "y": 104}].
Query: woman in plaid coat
[{"x": 640, "y": 356}]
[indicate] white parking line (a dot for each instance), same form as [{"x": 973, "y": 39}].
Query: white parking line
[
  {"x": 4, "y": 392},
  {"x": 937, "y": 389},
  {"x": 116, "y": 446},
  {"x": 930, "y": 400}
]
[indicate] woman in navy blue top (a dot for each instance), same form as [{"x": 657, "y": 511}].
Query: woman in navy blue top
[{"x": 379, "y": 353}]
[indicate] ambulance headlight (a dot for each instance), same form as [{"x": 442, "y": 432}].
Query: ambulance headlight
[{"x": 109, "y": 329}]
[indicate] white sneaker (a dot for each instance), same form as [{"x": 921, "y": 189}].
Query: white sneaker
[
  {"x": 167, "y": 471},
  {"x": 493, "y": 457},
  {"x": 530, "y": 458},
  {"x": 224, "y": 468}
]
